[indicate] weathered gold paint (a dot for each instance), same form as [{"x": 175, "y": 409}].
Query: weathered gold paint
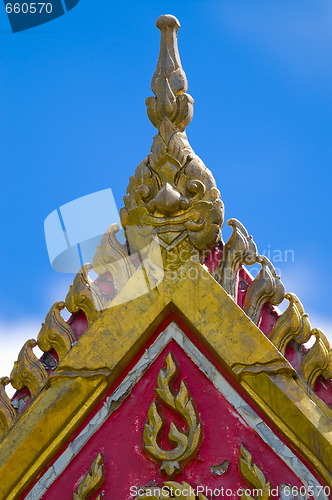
[
  {"x": 43, "y": 429},
  {"x": 293, "y": 324},
  {"x": 28, "y": 370},
  {"x": 239, "y": 249},
  {"x": 249, "y": 470},
  {"x": 172, "y": 461},
  {"x": 55, "y": 333},
  {"x": 120, "y": 332},
  {"x": 172, "y": 196},
  {"x": 254, "y": 476},
  {"x": 7, "y": 412},
  {"x": 92, "y": 481},
  {"x": 186, "y": 214}
]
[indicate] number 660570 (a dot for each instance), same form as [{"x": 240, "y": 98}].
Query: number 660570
[{"x": 31, "y": 8}]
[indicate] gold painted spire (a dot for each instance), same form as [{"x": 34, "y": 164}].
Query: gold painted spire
[
  {"x": 172, "y": 195},
  {"x": 169, "y": 82}
]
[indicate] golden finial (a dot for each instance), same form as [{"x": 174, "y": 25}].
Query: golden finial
[
  {"x": 172, "y": 195},
  {"x": 169, "y": 82}
]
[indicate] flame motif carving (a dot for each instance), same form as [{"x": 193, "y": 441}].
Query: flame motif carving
[
  {"x": 7, "y": 412},
  {"x": 28, "y": 371},
  {"x": 187, "y": 443},
  {"x": 113, "y": 257},
  {"x": 239, "y": 249},
  {"x": 93, "y": 480},
  {"x": 318, "y": 360},
  {"x": 266, "y": 287},
  {"x": 172, "y": 194},
  {"x": 293, "y": 324},
  {"x": 254, "y": 475},
  {"x": 250, "y": 471},
  {"x": 55, "y": 333},
  {"x": 84, "y": 295}
]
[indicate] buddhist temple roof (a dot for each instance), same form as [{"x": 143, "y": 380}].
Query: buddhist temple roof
[{"x": 174, "y": 269}]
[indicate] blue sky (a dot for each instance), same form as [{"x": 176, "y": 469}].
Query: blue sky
[{"x": 74, "y": 122}]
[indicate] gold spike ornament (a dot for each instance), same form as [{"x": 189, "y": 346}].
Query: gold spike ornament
[
  {"x": 318, "y": 360},
  {"x": 293, "y": 324},
  {"x": 55, "y": 333},
  {"x": 172, "y": 195},
  {"x": 266, "y": 287},
  {"x": 93, "y": 480},
  {"x": 254, "y": 476},
  {"x": 239, "y": 249},
  {"x": 7, "y": 412},
  {"x": 28, "y": 371}
]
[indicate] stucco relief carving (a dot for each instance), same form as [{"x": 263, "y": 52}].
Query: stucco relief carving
[
  {"x": 188, "y": 443},
  {"x": 92, "y": 481},
  {"x": 55, "y": 333},
  {"x": 7, "y": 412},
  {"x": 256, "y": 483},
  {"x": 172, "y": 194},
  {"x": 28, "y": 370}
]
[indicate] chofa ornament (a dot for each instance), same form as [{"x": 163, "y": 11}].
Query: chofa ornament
[{"x": 172, "y": 195}]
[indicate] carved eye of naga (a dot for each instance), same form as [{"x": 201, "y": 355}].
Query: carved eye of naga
[
  {"x": 144, "y": 191},
  {"x": 195, "y": 189}
]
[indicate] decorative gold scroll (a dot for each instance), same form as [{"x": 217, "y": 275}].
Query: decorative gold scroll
[
  {"x": 55, "y": 333},
  {"x": 7, "y": 412},
  {"x": 273, "y": 367},
  {"x": 239, "y": 249},
  {"x": 113, "y": 257},
  {"x": 254, "y": 475},
  {"x": 318, "y": 360},
  {"x": 93, "y": 480},
  {"x": 85, "y": 295},
  {"x": 188, "y": 443},
  {"x": 28, "y": 371},
  {"x": 172, "y": 194},
  {"x": 293, "y": 324},
  {"x": 266, "y": 287},
  {"x": 250, "y": 471}
]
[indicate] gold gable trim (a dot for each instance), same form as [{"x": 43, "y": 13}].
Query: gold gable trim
[
  {"x": 116, "y": 337},
  {"x": 172, "y": 199}
]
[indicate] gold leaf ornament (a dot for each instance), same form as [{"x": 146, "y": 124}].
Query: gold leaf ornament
[
  {"x": 7, "y": 412},
  {"x": 55, "y": 333},
  {"x": 293, "y": 324},
  {"x": 28, "y": 371},
  {"x": 254, "y": 476},
  {"x": 93, "y": 480},
  {"x": 187, "y": 443},
  {"x": 266, "y": 287},
  {"x": 172, "y": 195},
  {"x": 113, "y": 257},
  {"x": 85, "y": 295},
  {"x": 239, "y": 249},
  {"x": 318, "y": 360}
]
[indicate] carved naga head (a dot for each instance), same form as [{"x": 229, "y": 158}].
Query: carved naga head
[{"x": 172, "y": 194}]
